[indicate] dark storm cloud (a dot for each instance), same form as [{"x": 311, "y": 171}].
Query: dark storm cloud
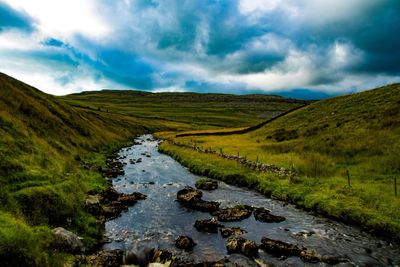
[{"x": 233, "y": 46}]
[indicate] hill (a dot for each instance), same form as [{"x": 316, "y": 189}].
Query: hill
[
  {"x": 53, "y": 148},
  {"x": 198, "y": 110},
  {"x": 325, "y": 144},
  {"x": 46, "y": 147}
]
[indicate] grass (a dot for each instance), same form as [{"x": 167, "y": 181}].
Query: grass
[
  {"x": 358, "y": 134},
  {"x": 201, "y": 111},
  {"x": 51, "y": 149}
]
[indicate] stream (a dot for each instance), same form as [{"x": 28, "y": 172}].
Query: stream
[{"x": 160, "y": 219}]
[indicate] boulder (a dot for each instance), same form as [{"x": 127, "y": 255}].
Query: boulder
[
  {"x": 185, "y": 242},
  {"x": 67, "y": 241},
  {"x": 243, "y": 246},
  {"x": 309, "y": 255},
  {"x": 207, "y": 225},
  {"x": 230, "y": 231},
  {"x": 111, "y": 203},
  {"x": 234, "y": 244},
  {"x": 191, "y": 198},
  {"x": 264, "y": 215},
  {"x": 249, "y": 249},
  {"x": 189, "y": 194},
  {"x": 131, "y": 199},
  {"x": 279, "y": 248},
  {"x": 236, "y": 213},
  {"x": 206, "y": 184}
]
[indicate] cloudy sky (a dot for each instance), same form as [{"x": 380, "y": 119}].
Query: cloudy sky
[{"x": 231, "y": 46}]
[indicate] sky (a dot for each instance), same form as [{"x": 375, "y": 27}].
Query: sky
[{"x": 305, "y": 48}]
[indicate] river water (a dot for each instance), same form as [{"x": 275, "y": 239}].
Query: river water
[{"x": 160, "y": 219}]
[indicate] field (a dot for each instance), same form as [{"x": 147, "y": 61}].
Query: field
[
  {"x": 338, "y": 157},
  {"x": 52, "y": 148},
  {"x": 198, "y": 111},
  {"x": 327, "y": 145}
]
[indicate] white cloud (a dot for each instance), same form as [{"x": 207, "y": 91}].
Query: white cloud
[
  {"x": 63, "y": 18},
  {"x": 249, "y": 7}
]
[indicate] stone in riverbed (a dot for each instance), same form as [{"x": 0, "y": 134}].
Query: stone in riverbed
[
  {"x": 207, "y": 225},
  {"x": 249, "y": 248},
  {"x": 279, "y": 248},
  {"x": 264, "y": 215},
  {"x": 111, "y": 203},
  {"x": 191, "y": 198},
  {"x": 189, "y": 194},
  {"x": 185, "y": 242},
  {"x": 230, "y": 231},
  {"x": 309, "y": 255},
  {"x": 243, "y": 246},
  {"x": 236, "y": 213},
  {"x": 206, "y": 184}
]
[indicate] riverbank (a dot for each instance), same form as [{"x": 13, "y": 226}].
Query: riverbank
[
  {"x": 160, "y": 220},
  {"x": 304, "y": 192}
]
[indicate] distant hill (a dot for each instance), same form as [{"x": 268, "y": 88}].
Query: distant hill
[{"x": 199, "y": 110}]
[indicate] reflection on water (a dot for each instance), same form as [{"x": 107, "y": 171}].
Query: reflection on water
[{"x": 158, "y": 220}]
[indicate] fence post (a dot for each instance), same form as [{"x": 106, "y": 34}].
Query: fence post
[
  {"x": 257, "y": 159},
  {"x": 395, "y": 186},
  {"x": 348, "y": 178}
]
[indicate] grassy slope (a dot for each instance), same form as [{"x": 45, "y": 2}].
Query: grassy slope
[
  {"x": 359, "y": 133},
  {"x": 42, "y": 182},
  {"x": 51, "y": 148},
  {"x": 198, "y": 110}
]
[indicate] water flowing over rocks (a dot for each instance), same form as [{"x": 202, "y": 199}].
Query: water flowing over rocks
[{"x": 166, "y": 214}]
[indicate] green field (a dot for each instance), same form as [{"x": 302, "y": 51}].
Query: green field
[
  {"x": 320, "y": 143},
  {"x": 206, "y": 111},
  {"x": 51, "y": 149}
]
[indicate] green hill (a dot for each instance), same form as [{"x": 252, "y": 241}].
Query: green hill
[
  {"x": 358, "y": 134},
  {"x": 52, "y": 148},
  {"x": 198, "y": 110},
  {"x": 46, "y": 147}
]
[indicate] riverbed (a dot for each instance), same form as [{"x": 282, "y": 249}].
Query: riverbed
[{"x": 160, "y": 219}]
